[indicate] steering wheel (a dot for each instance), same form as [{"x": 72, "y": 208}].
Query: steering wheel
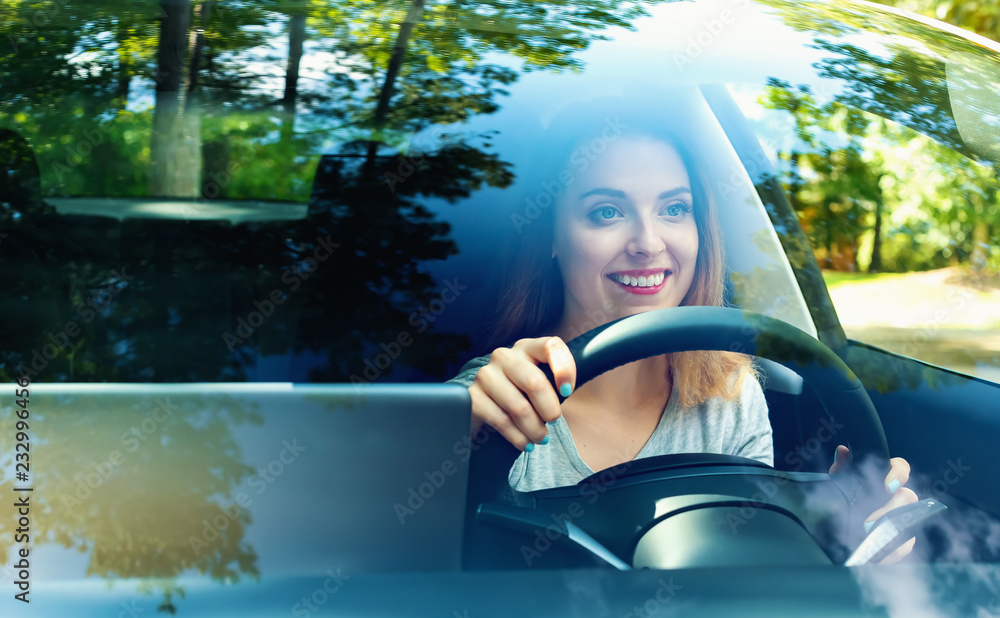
[{"x": 682, "y": 329}]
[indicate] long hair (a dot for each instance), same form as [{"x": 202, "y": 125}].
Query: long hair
[{"x": 531, "y": 301}]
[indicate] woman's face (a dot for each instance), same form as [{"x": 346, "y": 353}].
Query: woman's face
[{"x": 625, "y": 234}]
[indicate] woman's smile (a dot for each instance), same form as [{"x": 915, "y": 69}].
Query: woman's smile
[{"x": 645, "y": 281}]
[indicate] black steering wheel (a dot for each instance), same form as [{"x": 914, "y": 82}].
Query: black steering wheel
[{"x": 682, "y": 329}]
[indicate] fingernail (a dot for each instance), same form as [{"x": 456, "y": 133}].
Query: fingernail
[
  {"x": 893, "y": 485},
  {"x": 566, "y": 390},
  {"x": 545, "y": 440},
  {"x": 529, "y": 448},
  {"x": 868, "y": 526},
  {"x": 836, "y": 452}
]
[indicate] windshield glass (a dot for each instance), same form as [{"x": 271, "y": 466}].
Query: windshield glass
[
  {"x": 261, "y": 194},
  {"x": 343, "y": 192}
]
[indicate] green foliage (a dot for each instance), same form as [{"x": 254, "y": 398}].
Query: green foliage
[
  {"x": 979, "y": 16},
  {"x": 937, "y": 206}
]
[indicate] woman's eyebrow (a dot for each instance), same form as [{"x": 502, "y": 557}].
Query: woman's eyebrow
[
  {"x": 621, "y": 194},
  {"x": 673, "y": 192},
  {"x": 605, "y": 192}
]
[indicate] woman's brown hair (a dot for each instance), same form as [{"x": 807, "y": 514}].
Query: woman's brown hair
[{"x": 531, "y": 301}]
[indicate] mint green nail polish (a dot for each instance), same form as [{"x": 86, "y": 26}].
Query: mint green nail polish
[
  {"x": 529, "y": 448},
  {"x": 868, "y": 526},
  {"x": 893, "y": 485},
  {"x": 566, "y": 390},
  {"x": 545, "y": 440},
  {"x": 835, "y": 453}
]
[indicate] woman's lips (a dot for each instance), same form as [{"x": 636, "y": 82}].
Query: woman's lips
[{"x": 642, "y": 291}]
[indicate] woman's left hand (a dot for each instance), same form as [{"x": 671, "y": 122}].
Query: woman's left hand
[{"x": 899, "y": 474}]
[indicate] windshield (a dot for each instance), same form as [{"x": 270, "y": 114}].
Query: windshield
[
  {"x": 339, "y": 192},
  {"x": 251, "y": 184}
]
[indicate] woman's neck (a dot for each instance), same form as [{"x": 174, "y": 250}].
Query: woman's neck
[{"x": 637, "y": 388}]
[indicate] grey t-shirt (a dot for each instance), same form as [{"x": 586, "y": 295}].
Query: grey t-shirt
[{"x": 738, "y": 427}]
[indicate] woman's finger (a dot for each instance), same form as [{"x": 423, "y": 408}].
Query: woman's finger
[
  {"x": 530, "y": 380},
  {"x": 902, "y": 497},
  {"x": 899, "y": 474},
  {"x": 841, "y": 456},
  {"x": 496, "y": 381},
  {"x": 900, "y": 552},
  {"x": 485, "y": 410},
  {"x": 554, "y": 352}
]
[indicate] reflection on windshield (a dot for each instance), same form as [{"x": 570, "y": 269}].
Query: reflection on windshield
[
  {"x": 192, "y": 103},
  {"x": 136, "y": 483},
  {"x": 289, "y": 176}
]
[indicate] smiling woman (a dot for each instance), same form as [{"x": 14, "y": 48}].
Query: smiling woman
[{"x": 633, "y": 228}]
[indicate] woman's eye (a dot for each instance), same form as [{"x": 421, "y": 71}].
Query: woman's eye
[
  {"x": 603, "y": 214},
  {"x": 676, "y": 210}
]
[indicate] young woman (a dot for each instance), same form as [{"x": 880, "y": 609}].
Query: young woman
[{"x": 628, "y": 227}]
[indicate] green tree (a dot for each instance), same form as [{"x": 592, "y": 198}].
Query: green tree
[
  {"x": 910, "y": 89},
  {"x": 983, "y": 18},
  {"x": 832, "y": 184},
  {"x": 979, "y": 16}
]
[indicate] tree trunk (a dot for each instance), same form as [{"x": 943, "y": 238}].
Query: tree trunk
[
  {"x": 175, "y": 157},
  {"x": 828, "y": 235},
  {"x": 876, "y": 262},
  {"x": 124, "y": 64},
  {"x": 203, "y": 12},
  {"x": 395, "y": 64},
  {"x": 396, "y": 61},
  {"x": 296, "y": 41},
  {"x": 980, "y": 248}
]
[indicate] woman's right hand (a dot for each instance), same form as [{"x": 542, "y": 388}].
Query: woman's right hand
[{"x": 512, "y": 395}]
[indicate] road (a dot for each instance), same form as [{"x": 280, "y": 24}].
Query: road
[{"x": 936, "y": 316}]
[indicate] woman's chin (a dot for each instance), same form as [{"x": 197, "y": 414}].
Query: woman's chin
[
  {"x": 636, "y": 310},
  {"x": 643, "y": 307}
]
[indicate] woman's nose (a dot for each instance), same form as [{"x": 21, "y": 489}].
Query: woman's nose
[{"x": 646, "y": 239}]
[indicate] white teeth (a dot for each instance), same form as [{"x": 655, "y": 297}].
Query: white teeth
[{"x": 642, "y": 282}]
